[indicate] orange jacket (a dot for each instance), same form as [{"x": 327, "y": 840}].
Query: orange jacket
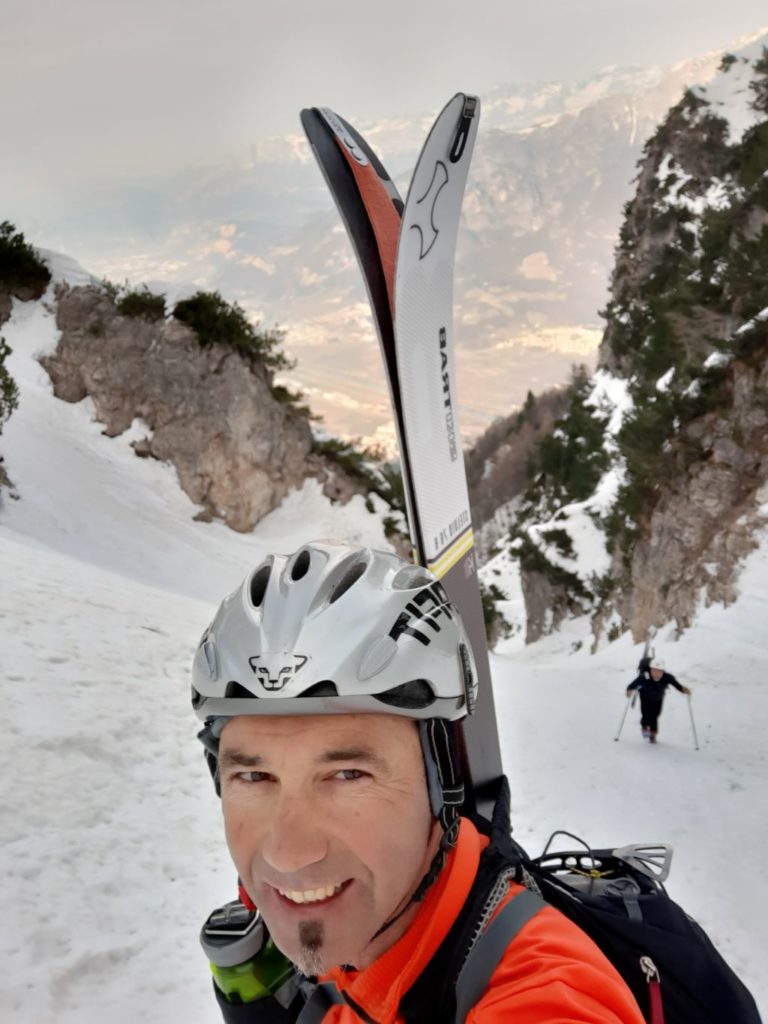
[{"x": 551, "y": 973}]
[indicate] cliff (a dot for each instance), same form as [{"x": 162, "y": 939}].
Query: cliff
[
  {"x": 651, "y": 489},
  {"x": 238, "y": 442}
]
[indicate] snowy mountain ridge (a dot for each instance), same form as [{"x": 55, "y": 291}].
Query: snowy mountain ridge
[{"x": 542, "y": 214}]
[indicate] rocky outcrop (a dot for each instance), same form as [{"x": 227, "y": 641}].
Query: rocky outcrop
[
  {"x": 681, "y": 392},
  {"x": 689, "y": 299},
  {"x": 547, "y": 604},
  {"x": 209, "y": 410},
  {"x": 706, "y": 519},
  {"x": 6, "y": 304}
]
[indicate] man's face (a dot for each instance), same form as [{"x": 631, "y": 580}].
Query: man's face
[
  {"x": 657, "y": 673},
  {"x": 328, "y": 823}
]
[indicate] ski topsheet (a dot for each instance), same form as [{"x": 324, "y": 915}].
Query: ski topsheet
[
  {"x": 370, "y": 208},
  {"x": 406, "y": 255}
]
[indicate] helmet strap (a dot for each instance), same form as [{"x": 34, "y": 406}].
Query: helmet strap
[
  {"x": 446, "y": 795},
  {"x": 444, "y": 784}
]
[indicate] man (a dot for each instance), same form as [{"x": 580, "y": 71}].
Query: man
[
  {"x": 652, "y": 683},
  {"x": 330, "y": 685}
]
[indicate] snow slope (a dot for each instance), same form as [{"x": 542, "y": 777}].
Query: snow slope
[{"x": 112, "y": 848}]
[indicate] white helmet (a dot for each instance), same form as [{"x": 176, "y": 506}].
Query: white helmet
[
  {"x": 335, "y": 628},
  {"x": 658, "y": 663}
]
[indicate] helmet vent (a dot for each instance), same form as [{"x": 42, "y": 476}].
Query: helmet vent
[
  {"x": 350, "y": 577},
  {"x": 259, "y": 582},
  {"x": 300, "y": 566},
  {"x": 414, "y": 695},
  {"x": 323, "y": 689},
  {"x": 412, "y": 577},
  {"x": 237, "y": 690}
]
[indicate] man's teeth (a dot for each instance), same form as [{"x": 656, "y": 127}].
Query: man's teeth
[{"x": 310, "y": 895}]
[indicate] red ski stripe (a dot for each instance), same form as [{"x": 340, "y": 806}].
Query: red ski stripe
[{"x": 383, "y": 215}]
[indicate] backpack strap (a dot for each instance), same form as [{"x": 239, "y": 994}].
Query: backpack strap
[
  {"x": 432, "y": 997},
  {"x": 487, "y": 952},
  {"x": 324, "y": 996}
]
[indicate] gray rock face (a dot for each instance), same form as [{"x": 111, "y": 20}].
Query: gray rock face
[
  {"x": 706, "y": 520},
  {"x": 210, "y": 410},
  {"x": 546, "y": 605},
  {"x": 689, "y": 283},
  {"x": 6, "y": 303}
]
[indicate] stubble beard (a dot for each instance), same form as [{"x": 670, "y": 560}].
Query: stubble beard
[{"x": 311, "y": 940}]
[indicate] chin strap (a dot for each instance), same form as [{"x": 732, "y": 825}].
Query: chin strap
[
  {"x": 446, "y": 795},
  {"x": 209, "y": 737},
  {"x": 447, "y": 842}
]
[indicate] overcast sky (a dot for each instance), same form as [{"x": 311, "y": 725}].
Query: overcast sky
[{"x": 106, "y": 89}]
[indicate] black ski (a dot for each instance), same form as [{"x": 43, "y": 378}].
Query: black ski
[{"x": 412, "y": 259}]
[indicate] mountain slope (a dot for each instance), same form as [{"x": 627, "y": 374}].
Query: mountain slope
[{"x": 113, "y": 846}]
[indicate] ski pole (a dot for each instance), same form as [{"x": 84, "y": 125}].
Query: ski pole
[
  {"x": 630, "y": 703},
  {"x": 693, "y": 724}
]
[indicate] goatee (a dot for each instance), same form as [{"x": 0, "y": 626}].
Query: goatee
[{"x": 311, "y": 939}]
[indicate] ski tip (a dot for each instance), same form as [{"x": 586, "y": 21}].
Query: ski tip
[{"x": 468, "y": 109}]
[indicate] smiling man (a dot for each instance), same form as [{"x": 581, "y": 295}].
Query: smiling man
[
  {"x": 330, "y": 685},
  {"x": 328, "y": 822}
]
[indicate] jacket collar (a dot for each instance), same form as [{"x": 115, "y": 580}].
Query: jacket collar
[{"x": 379, "y": 988}]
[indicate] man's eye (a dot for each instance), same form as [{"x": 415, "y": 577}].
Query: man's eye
[
  {"x": 349, "y": 774},
  {"x": 252, "y": 776}
]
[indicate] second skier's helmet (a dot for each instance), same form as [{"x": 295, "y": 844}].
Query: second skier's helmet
[{"x": 338, "y": 628}]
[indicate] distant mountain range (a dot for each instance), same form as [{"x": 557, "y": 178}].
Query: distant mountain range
[{"x": 551, "y": 174}]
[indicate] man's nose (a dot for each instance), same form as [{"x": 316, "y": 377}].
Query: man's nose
[{"x": 295, "y": 838}]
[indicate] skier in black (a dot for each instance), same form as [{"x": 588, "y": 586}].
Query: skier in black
[{"x": 652, "y": 682}]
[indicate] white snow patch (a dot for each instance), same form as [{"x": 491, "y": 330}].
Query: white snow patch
[
  {"x": 662, "y": 384},
  {"x": 591, "y": 556},
  {"x": 760, "y": 317},
  {"x": 718, "y": 195},
  {"x": 729, "y": 95},
  {"x": 503, "y": 571},
  {"x": 716, "y": 359},
  {"x": 610, "y": 396},
  {"x": 65, "y": 269}
]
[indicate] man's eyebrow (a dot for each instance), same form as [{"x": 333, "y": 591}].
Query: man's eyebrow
[
  {"x": 239, "y": 759},
  {"x": 363, "y": 754}
]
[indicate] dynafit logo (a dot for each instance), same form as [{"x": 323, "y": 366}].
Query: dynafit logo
[
  {"x": 275, "y": 671},
  {"x": 426, "y": 224}
]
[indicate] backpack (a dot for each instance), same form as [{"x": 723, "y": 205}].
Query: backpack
[{"x": 616, "y": 897}]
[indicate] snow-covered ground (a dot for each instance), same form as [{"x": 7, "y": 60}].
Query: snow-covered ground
[{"x": 112, "y": 849}]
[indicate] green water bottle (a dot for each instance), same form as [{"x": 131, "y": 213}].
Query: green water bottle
[{"x": 245, "y": 962}]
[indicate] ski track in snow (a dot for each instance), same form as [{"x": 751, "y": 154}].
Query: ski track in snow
[{"x": 113, "y": 850}]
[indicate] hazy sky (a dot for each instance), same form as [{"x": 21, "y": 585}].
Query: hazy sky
[{"x": 104, "y": 89}]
